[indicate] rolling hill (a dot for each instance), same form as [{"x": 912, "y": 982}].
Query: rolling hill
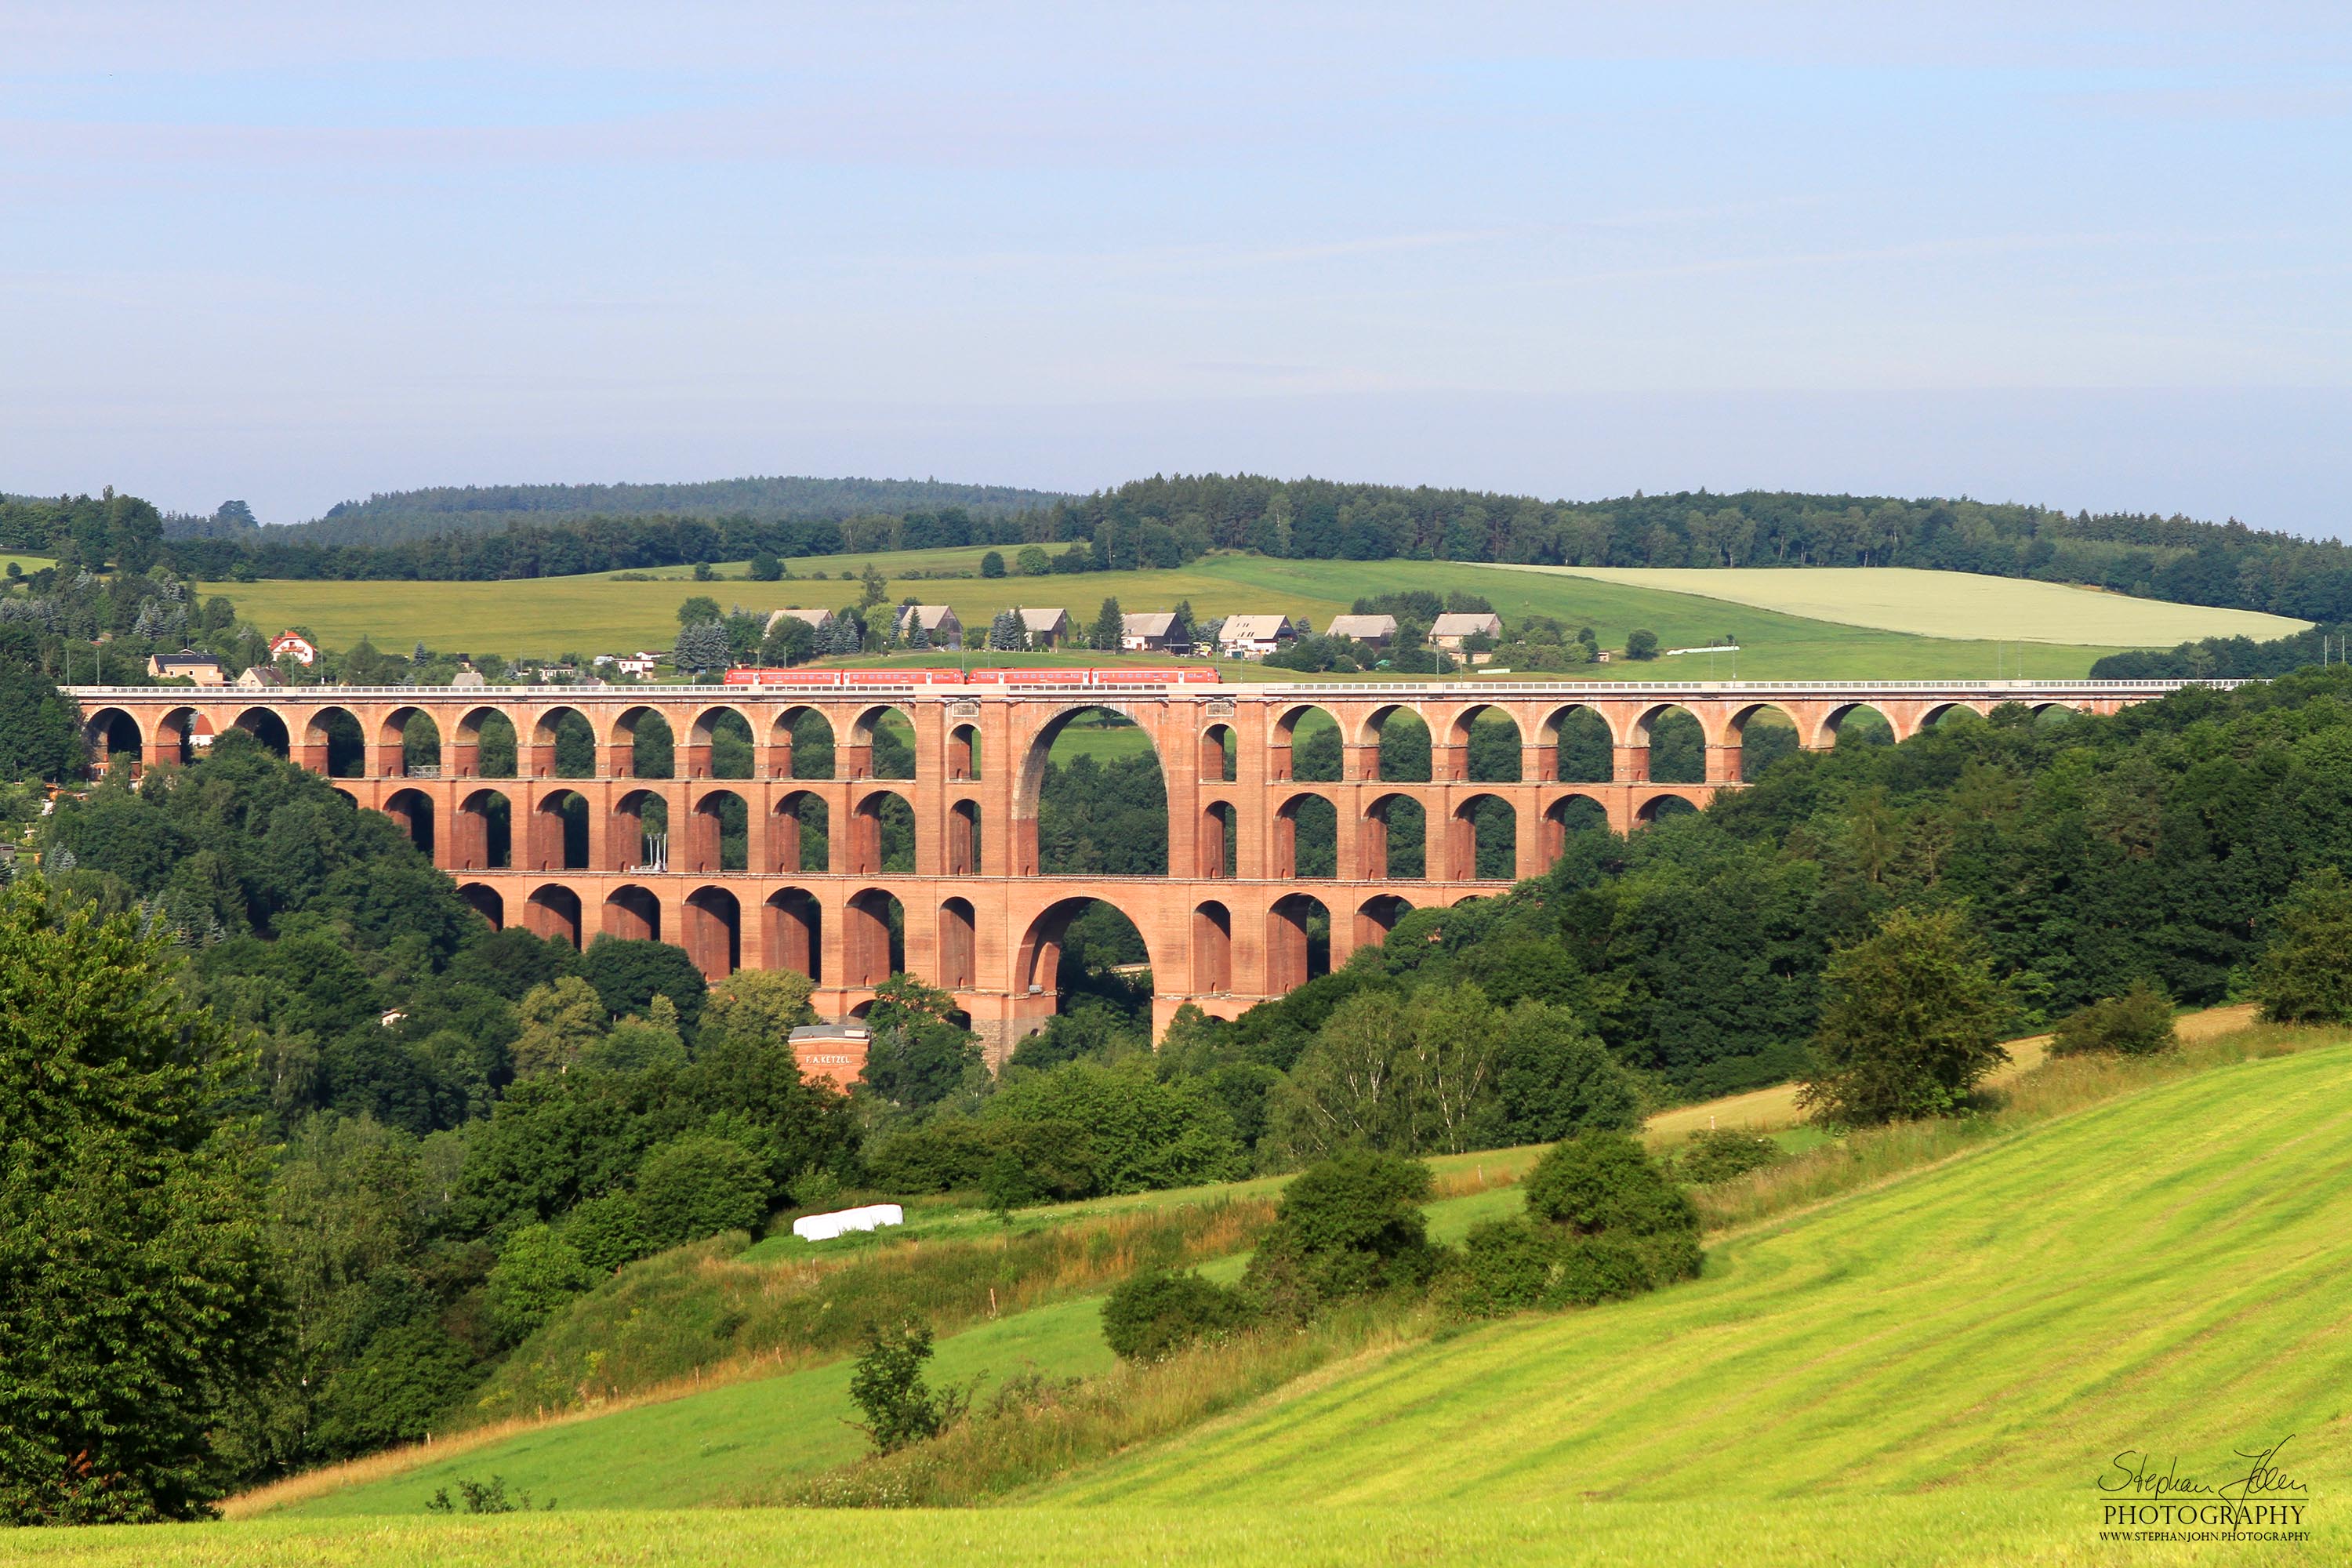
[
  {"x": 1935, "y": 1369},
  {"x": 2170, "y": 1272},
  {"x": 549, "y": 616},
  {"x": 394, "y": 516},
  {"x": 1947, "y": 603}
]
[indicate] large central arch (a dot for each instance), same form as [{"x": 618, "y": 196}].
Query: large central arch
[{"x": 1029, "y": 790}]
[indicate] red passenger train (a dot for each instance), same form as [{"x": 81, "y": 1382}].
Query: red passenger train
[{"x": 1069, "y": 675}]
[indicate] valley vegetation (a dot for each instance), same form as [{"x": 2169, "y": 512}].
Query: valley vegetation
[{"x": 436, "y": 1144}]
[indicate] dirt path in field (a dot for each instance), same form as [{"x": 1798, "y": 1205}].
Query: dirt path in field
[{"x": 1777, "y": 1106}]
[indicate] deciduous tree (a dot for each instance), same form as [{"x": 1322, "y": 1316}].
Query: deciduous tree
[
  {"x": 1911, "y": 1019},
  {"x": 133, "y": 1263}
]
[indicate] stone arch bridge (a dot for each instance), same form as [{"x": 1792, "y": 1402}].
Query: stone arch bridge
[{"x": 1227, "y": 927}]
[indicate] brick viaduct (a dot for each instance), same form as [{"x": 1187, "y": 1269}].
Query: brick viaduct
[{"x": 1225, "y": 929}]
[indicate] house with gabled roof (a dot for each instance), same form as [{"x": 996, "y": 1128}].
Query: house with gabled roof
[
  {"x": 939, "y": 623},
  {"x": 1253, "y": 636},
  {"x": 1375, "y": 631},
  {"x": 1047, "y": 627}
]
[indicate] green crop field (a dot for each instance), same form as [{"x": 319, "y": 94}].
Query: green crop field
[
  {"x": 2170, "y": 1271},
  {"x": 1936, "y": 1370},
  {"x": 1936, "y": 1531},
  {"x": 709, "y": 1447},
  {"x": 1948, "y": 604},
  {"x": 599, "y": 614}
]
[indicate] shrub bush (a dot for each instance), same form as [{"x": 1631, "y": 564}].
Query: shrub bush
[
  {"x": 1614, "y": 1266},
  {"x": 1602, "y": 1223},
  {"x": 955, "y": 1154},
  {"x": 1720, "y": 1153},
  {"x": 1346, "y": 1226},
  {"x": 2136, "y": 1024},
  {"x": 538, "y": 1271},
  {"x": 698, "y": 1185},
  {"x": 2304, "y": 976},
  {"x": 1130, "y": 1133},
  {"x": 1157, "y": 1313},
  {"x": 1507, "y": 1265},
  {"x": 606, "y": 1232},
  {"x": 1553, "y": 1079},
  {"x": 888, "y": 1385},
  {"x": 1606, "y": 1181},
  {"x": 408, "y": 1379}
]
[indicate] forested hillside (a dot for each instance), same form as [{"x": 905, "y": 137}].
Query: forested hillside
[
  {"x": 438, "y": 1092},
  {"x": 398, "y": 516},
  {"x": 2226, "y": 658},
  {"x": 1165, "y": 522},
  {"x": 83, "y": 530}
]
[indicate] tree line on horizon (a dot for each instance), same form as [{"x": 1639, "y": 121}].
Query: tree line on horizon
[{"x": 1167, "y": 521}]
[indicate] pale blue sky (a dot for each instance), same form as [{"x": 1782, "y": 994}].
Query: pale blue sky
[{"x": 2093, "y": 255}]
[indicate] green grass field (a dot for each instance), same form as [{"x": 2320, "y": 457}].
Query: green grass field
[
  {"x": 2169, "y": 1271},
  {"x": 1948, "y": 604},
  {"x": 1974, "y": 1525},
  {"x": 708, "y": 1447},
  {"x": 1934, "y": 1371},
  {"x": 591, "y": 615}
]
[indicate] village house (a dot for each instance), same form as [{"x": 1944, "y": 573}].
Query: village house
[
  {"x": 260, "y": 678},
  {"x": 939, "y": 623},
  {"x": 640, "y": 663},
  {"x": 1046, "y": 627},
  {"x": 1373, "y": 631},
  {"x": 1450, "y": 630},
  {"x": 1253, "y": 636},
  {"x": 817, "y": 619},
  {"x": 188, "y": 665},
  {"x": 1156, "y": 631},
  {"x": 293, "y": 645}
]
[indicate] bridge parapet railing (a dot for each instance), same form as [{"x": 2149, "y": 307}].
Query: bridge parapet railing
[{"x": 727, "y": 695}]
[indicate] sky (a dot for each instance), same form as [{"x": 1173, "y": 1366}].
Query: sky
[{"x": 2089, "y": 255}]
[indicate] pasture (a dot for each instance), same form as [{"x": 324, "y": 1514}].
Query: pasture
[
  {"x": 1941, "y": 1529},
  {"x": 1935, "y": 1368},
  {"x": 597, "y": 614},
  {"x": 1948, "y": 604},
  {"x": 2164, "y": 1271},
  {"x": 1929, "y": 1369}
]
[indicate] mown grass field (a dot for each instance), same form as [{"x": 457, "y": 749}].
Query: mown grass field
[
  {"x": 1932, "y": 1371},
  {"x": 1973, "y": 1525},
  {"x": 708, "y": 1448},
  {"x": 2168, "y": 1271},
  {"x": 1948, "y": 604},
  {"x": 591, "y": 614}
]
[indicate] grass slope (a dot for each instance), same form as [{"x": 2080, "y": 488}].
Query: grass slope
[
  {"x": 1931, "y": 1372},
  {"x": 1949, "y": 604},
  {"x": 602, "y": 613},
  {"x": 708, "y": 1447},
  {"x": 2166, "y": 1272},
  {"x": 705, "y": 1447}
]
